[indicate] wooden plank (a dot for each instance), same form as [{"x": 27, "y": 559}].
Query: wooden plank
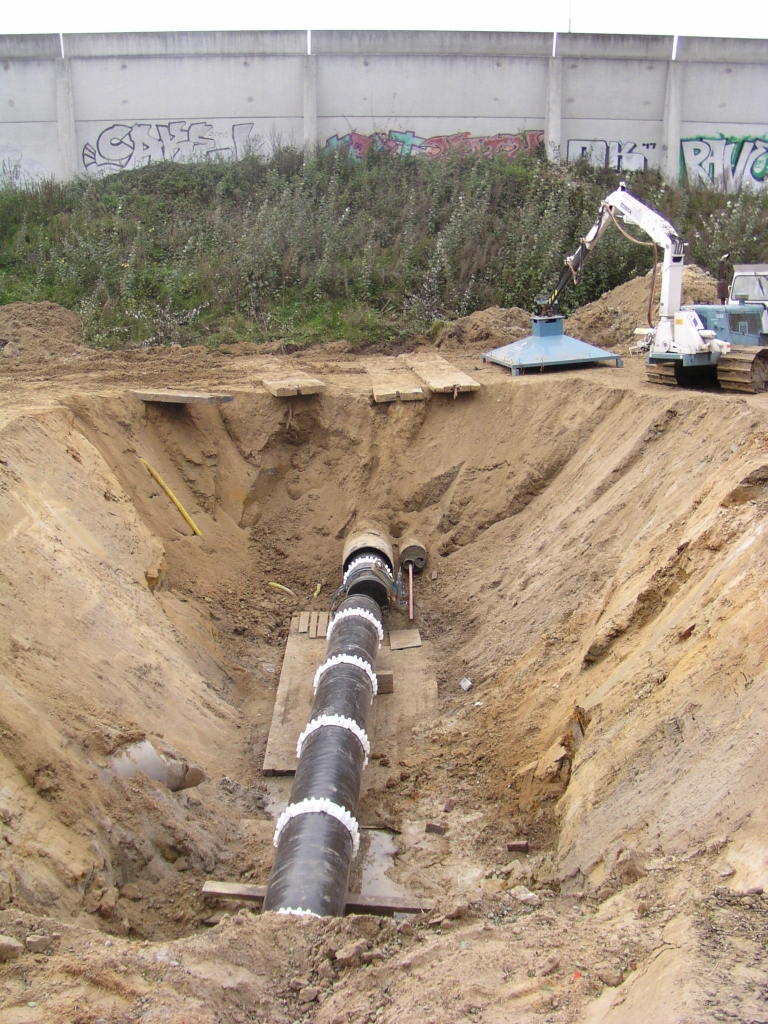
[
  {"x": 311, "y": 386},
  {"x": 304, "y": 622},
  {"x": 392, "y": 719},
  {"x": 280, "y": 388},
  {"x": 384, "y": 394},
  {"x": 313, "y": 617},
  {"x": 356, "y": 902},
  {"x": 411, "y": 394},
  {"x": 439, "y": 375},
  {"x": 322, "y": 624},
  {"x": 294, "y": 624},
  {"x": 295, "y": 384},
  {"x": 402, "y": 639},
  {"x": 293, "y": 703},
  {"x": 396, "y": 720},
  {"x": 181, "y": 397}
]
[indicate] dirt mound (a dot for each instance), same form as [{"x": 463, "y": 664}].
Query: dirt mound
[
  {"x": 611, "y": 320},
  {"x": 486, "y": 328},
  {"x": 39, "y": 331}
]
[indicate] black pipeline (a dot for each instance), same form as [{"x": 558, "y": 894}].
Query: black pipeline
[{"x": 317, "y": 835}]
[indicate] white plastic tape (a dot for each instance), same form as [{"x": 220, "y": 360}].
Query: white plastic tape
[
  {"x": 343, "y": 723},
  {"x": 360, "y": 613},
  {"x": 347, "y": 659},
  {"x": 319, "y": 805},
  {"x": 297, "y": 912},
  {"x": 367, "y": 560}
]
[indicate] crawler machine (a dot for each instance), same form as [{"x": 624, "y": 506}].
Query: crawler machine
[{"x": 689, "y": 344}]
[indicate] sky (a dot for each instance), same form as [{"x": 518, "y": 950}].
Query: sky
[{"x": 665, "y": 17}]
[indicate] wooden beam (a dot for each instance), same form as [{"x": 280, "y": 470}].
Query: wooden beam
[{"x": 356, "y": 903}]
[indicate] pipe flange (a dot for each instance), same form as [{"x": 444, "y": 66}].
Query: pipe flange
[
  {"x": 297, "y": 912},
  {"x": 360, "y": 613},
  {"x": 319, "y": 805},
  {"x": 342, "y": 722},
  {"x": 347, "y": 659},
  {"x": 372, "y": 560}
]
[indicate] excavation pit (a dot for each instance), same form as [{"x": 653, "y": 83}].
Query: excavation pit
[{"x": 597, "y": 567}]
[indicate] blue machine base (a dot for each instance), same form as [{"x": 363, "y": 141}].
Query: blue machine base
[{"x": 543, "y": 349}]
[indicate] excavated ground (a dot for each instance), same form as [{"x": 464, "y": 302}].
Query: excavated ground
[{"x": 601, "y": 570}]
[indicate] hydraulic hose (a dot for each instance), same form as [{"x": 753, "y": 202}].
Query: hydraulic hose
[{"x": 317, "y": 836}]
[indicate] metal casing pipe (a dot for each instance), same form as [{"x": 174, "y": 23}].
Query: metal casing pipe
[
  {"x": 369, "y": 540},
  {"x": 317, "y": 836},
  {"x": 413, "y": 552}
]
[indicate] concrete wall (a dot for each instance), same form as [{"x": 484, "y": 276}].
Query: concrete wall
[{"x": 90, "y": 104}]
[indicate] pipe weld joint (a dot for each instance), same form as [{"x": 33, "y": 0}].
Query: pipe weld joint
[
  {"x": 359, "y": 613},
  {"x": 320, "y": 805},
  {"x": 343, "y": 723},
  {"x": 297, "y": 912},
  {"x": 347, "y": 659},
  {"x": 371, "y": 560}
]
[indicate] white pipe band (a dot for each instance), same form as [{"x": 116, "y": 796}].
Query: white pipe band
[
  {"x": 367, "y": 560},
  {"x": 297, "y": 912},
  {"x": 319, "y": 805},
  {"x": 347, "y": 659},
  {"x": 343, "y": 723},
  {"x": 359, "y": 613}
]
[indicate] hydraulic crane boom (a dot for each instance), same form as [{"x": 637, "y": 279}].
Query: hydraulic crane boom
[
  {"x": 684, "y": 334},
  {"x": 624, "y": 205}
]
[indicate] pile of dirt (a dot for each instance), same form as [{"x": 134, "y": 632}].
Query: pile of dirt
[
  {"x": 487, "y": 328},
  {"x": 611, "y": 320},
  {"x": 39, "y": 331}
]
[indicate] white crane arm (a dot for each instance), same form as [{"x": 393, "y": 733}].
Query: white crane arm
[{"x": 632, "y": 211}]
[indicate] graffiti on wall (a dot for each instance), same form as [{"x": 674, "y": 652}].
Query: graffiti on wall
[
  {"x": 732, "y": 162},
  {"x": 123, "y": 146},
  {"x": 408, "y": 143},
  {"x": 619, "y": 156}
]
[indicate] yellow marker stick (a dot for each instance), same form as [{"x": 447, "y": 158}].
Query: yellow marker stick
[{"x": 172, "y": 496}]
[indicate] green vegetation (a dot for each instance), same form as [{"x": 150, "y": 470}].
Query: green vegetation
[{"x": 306, "y": 249}]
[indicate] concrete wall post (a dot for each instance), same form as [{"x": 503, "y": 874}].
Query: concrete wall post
[
  {"x": 310, "y": 101},
  {"x": 553, "y": 114},
  {"x": 670, "y": 132},
  {"x": 65, "y": 113}
]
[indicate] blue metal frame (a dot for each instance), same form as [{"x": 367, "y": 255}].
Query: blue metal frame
[{"x": 547, "y": 346}]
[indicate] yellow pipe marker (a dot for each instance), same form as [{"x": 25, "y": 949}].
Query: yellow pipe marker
[{"x": 172, "y": 496}]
